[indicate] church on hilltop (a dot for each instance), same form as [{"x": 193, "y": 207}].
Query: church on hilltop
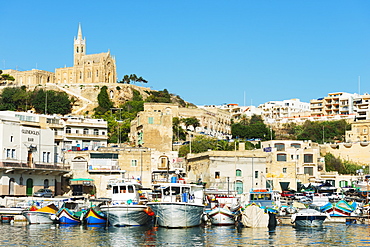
[
  {"x": 87, "y": 69},
  {"x": 94, "y": 68}
]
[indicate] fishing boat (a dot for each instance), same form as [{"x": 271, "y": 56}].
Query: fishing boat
[
  {"x": 44, "y": 215},
  {"x": 94, "y": 216},
  {"x": 223, "y": 207},
  {"x": 126, "y": 208},
  {"x": 340, "y": 208},
  {"x": 261, "y": 207},
  {"x": 308, "y": 218},
  {"x": 71, "y": 213},
  {"x": 178, "y": 205}
]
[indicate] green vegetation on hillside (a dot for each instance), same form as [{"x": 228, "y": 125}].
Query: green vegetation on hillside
[
  {"x": 19, "y": 99},
  {"x": 119, "y": 117},
  {"x": 253, "y": 128},
  {"x": 328, "y": 131},
  {"x": 333, "y": 163},
  {"x": 5, "y": 77}
]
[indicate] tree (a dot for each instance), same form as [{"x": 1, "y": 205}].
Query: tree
[
  {"x": 15, "y": 99},
  {"x": 191, "y": 121},
  {"x": 6, "y": 77},
  {"x": 105, "y": 104},
  {"x": 51, "y": 101},
  {"x": 178, "y": 132},
  {"x": 254, "y": 128}
]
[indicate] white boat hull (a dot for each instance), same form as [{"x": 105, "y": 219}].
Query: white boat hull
[
  {"x": 34, "y": 217},
  {"x": 126, "y": 215},
  {"x": 222, "y": 217},
  {"x": 309, "y": 223},
  {"x": 308, "y": 218},
  {"x": 177, "y": 214}
]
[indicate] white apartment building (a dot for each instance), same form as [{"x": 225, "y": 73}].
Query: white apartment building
[
  {"x": 273, "y": 110},
  {"x": 237, "y": 112}
]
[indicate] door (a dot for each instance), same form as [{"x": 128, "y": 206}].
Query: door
[
  {"x": 239, "y": 187},
  {"x": 29, "y": 187},
  {"x": 11, "y": 186}
]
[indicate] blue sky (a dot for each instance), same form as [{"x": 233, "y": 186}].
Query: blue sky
[{"x": 208, "y": 52}]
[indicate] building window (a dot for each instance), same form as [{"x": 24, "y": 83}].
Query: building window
[
  {"x": 281, "y": 157},
  {"x": 150, "y": 120},
  {"x": 44, "y": 157},
  {"x": 163, "y": 162},
  {"x": 13, "y": 153},
  {"x": 8, "y": 153},
  {"x": 295, "y": 145},
  {"x": 255, "y": 174},
  {"x": 308, "y": 170},
  {"x": 86, "y": 131},
  {"x": 133, "y": 163},
  {"x": 11, "y": 138},
  {"x": 280, "y": 146},
  {"x": 21, "y": 181},
  {"x": 284, "y": 170},
  {"x": 48, "y": 157},
  {"x": 217, "y": 175},
  {"x": 238, "y": 173},
  {"x": 308, "y": 158},
  {"x": 77, "y": 131},
  {"x": 68, "y": 130},
  {"x": 96, "y": 132}
]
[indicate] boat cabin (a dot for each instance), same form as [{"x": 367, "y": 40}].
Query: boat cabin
[
  {"x": 178, "y": 192},
  {"x": 263, "y": 197},
  {"x": 125, "y": 192}
]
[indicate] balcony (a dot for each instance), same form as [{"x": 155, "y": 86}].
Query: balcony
[
  {"x": 38, "y": 168},
  {"x": 86, "y": 136}
]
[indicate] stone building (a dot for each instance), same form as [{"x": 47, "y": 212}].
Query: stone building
[
  {"x": 152, "y": 127},
  {"x": 238, "y": 170},
  {"x": 87, "y": 69},
  {"x": 291, "y": 162},
  {"x": 29, "y": 78}
]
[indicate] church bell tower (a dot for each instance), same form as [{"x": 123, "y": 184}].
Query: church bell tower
[{"x": 79, "y": 47}]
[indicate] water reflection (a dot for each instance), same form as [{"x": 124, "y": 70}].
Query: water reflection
[{"x": 63, "y": 235}]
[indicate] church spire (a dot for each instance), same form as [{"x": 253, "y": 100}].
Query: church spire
[
  {"x": 79, "y": 35},
  {"x": 79, "y": 47}
]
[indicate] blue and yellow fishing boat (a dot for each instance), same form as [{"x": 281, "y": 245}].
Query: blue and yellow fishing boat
[
  {"x": 95, "y": 217},
  {"x": 66, "y": 216}
]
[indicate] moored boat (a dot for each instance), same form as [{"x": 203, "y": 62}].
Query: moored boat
[
  {"x": 178, "y": 205},
  {"x": 308, "y": 218},
  {"x": 67, "y": 216},
  {"x": 223, "y": 207},
  {"x": 126, "y": 209},
  {"x": 93, "y": 216},
  {"x": 261, "y": 207},
  {"x": 44, "y": 215}
]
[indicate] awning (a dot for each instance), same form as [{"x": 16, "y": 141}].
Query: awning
[{"x": 82, "y": 181}]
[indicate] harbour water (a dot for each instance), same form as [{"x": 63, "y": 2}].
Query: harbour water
[{"x": 59, "y": 235}]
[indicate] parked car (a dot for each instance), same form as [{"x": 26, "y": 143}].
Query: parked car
[
  {"x": 43, "y": 193},
  {"x": 287, "y": 194}
]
